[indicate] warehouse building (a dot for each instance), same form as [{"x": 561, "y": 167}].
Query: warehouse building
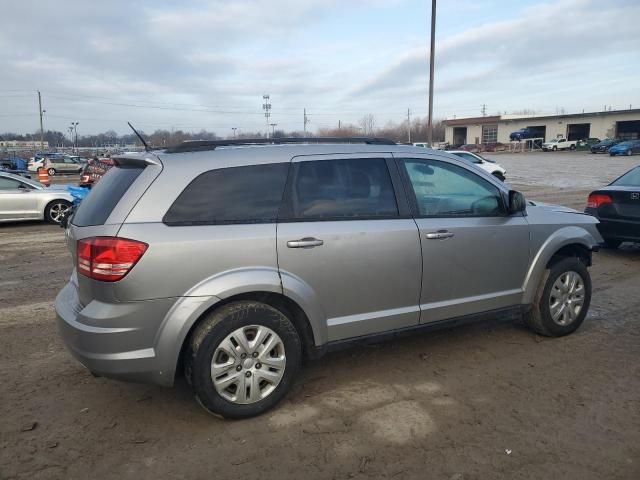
[{"x": 624, "y": 124}]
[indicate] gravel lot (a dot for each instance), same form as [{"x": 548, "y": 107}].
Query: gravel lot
[{"x": 485, "y": 401}]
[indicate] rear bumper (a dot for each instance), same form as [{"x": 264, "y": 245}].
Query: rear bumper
[
  {"x": 114, "y": 340},
  {"x": 610, "y": 229}
]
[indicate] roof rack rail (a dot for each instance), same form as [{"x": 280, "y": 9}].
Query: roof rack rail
[{"x": 202, "y": 145}]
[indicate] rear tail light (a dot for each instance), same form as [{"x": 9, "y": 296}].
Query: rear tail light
[
  {"x": 84, "y": 178},
  {"x": 108, "y": 258},
  {"x": 597, "y": 199}
]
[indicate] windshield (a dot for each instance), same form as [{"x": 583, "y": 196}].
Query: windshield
[
  {"x": 468, "y": 157},
  {"x": 629, "y": 179},
  {"x": 625, "y": 144}
]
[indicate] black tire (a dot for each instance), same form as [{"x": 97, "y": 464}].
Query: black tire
[
  {"x": 555, "y": 149},
  {"x": 499, "y": 176},
  {"x": 612, "y": 154},
  {"x": 572, "y": 147},
  {"x": 611, "y": 243},
  {"x": 539, "y": 317},
  {"x": 51, "y": 172},
  {"x": 52, "y": 211},
  {"x": 629, "y": 153},
  {"x": 213, "y": 330}
]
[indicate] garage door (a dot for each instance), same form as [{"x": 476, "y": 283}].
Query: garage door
[{"x": 628, "y": 130}]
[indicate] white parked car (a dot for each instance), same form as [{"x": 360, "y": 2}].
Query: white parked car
[
  {"x": 24, "y": 199},
  {"x": 559, "y": 144},
  {"x": 486, "y": 164}
]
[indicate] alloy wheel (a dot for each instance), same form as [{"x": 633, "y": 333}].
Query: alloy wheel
[
  {"x": 566, "y": 298},
  {"x": 248, "y": 364},
  {"x": 58, "y": 210}
]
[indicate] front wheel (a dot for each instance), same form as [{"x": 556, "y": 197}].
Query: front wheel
[
  {"x": 555, "y": 149},
  {"x": 242, "y": 359},
  {"x": 56, "y": 210},
  {"x": 562, "y": 300},
  {"x": 629, "y": 153},
  {"x": 51, "y": 172}
]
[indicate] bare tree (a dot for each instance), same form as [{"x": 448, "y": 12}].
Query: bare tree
[{"x": 368, "y": 124}]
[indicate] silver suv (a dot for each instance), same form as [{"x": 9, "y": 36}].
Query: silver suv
[{"x": 234, "y": 262}]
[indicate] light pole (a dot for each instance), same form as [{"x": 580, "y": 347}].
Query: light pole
[
  {"x": 70, "y": 129},
  {"x": 273, "y": 128},
  {"x": 73, "y": 135},
  {"x": 431, "y": 59},
  {"x": 266, "y": 106},
  {"x": 234, "y": 131}
]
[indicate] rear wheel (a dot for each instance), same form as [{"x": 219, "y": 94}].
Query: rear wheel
[
  {"x": 242, "y": 359},
  {"x": 572, "y": 147},
  {"x": 629, "y": 153},
  {"x": 56, "y": 210},
  {"x": 562, "y": 300}
]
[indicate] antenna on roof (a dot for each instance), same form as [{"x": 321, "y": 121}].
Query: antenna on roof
[{"x": 146, "y": 147}]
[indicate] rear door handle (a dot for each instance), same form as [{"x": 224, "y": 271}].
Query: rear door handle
[
  {"x": 304, "y": 243},
  {"x": 440, "y": 234}
]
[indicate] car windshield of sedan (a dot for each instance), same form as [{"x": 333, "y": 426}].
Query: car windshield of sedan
[
  {"x": 629, "y": 179},
  {"x": 625, "y": 144}
]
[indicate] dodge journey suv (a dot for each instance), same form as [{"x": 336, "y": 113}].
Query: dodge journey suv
[{"x": 231, "y": 261}]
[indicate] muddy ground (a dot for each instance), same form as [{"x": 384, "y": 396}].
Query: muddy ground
[{"x": 485, "y": 401}]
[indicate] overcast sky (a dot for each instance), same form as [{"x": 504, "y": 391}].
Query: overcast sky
[{"x": 199, "y": 64}]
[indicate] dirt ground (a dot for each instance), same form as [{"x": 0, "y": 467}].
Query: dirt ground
[{"x": 485, "y": 401}]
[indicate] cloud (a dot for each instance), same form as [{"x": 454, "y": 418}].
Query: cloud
[{"x": 545, "y": 37}]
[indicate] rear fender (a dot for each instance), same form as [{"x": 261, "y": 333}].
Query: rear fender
[{"x": 186, "y": 311}]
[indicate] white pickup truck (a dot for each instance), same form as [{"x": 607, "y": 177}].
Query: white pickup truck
[{"x": 559, "y": 144}]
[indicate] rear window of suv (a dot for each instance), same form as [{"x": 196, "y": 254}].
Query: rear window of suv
[
  {"x": 105, "y": 195},
  {"x": 247, "y": 194}
]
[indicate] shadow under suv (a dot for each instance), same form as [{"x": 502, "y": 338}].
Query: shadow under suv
[{"x": 233, "y": 262}]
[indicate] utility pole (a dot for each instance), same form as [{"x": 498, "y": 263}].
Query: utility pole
[
  {"x": 234, "y": 131},
  {"x": 339, "y": 124},
  {"x": 484, "y": 110},
  {"x": 305, "y": 121},
  {"x": 273, "y": 128},
  {"x": 431, "y": 63},
  {"x": 266, "y": 106},
  {"x": 409, "y": 124},
  {"x": 41, "y": 127}
]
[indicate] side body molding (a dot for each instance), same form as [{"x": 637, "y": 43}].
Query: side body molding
[{"x": 558, "y": 239}]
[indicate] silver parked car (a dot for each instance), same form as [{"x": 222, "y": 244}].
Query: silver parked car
[
  {"x": 232, "y": 262},
  {"x": 25, "y": 199}
]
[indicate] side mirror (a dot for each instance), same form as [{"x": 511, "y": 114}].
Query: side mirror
[{"x": 517, "y": 202}]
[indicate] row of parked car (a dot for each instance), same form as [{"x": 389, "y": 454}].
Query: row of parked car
[{"x": 616, "y": 147}]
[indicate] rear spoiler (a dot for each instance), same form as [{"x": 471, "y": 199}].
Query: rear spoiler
[{"x": 133, "y": 159}]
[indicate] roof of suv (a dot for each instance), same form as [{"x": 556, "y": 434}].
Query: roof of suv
[{"x": 237, "y": 155}]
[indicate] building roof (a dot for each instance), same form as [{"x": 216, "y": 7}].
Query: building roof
[
  {"x": 514, "y": 118},
  {"x": 474, "y": 120}
]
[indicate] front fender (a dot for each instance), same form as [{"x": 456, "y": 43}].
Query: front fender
[
  {"x": 187, "y": 309},
  {"x": 562, "y": 237}
]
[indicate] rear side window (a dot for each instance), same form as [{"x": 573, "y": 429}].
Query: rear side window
[
  {"x": 249, "y": 194},
  {"x": 105, "y": 195},
  {"x": 342, "y": 189}
]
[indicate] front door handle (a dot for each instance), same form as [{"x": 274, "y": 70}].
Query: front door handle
[
  {"x": 307, "y": 242},
  {"x": 440, "y": 234}
]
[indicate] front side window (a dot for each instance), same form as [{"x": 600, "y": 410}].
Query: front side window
[
  {"x": 445, "y": 190},
  {"x": 342, "y": 189},
  {"x": 235, "y": 195}
]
